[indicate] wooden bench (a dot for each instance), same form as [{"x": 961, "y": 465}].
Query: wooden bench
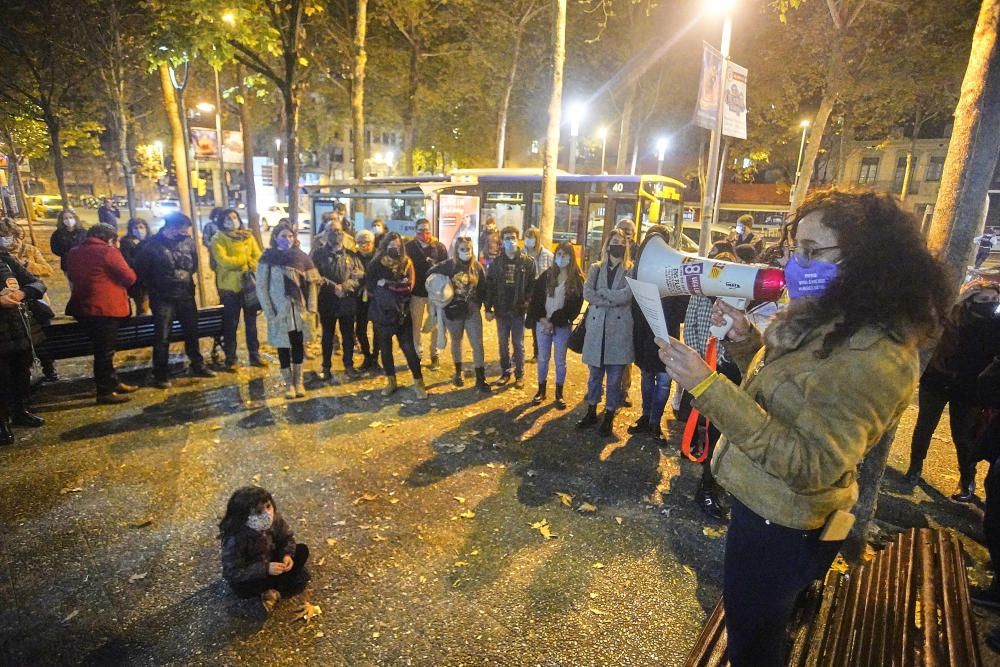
[
  {"x": 66, "y": 340},
  {"x": 908, "y": 606}
]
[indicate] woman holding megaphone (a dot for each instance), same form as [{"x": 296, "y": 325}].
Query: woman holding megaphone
[{"x": 828, "y": 377}]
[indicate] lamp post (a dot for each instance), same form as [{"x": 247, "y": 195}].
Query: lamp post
[
  {"x": 279, "y": 179},
  {"x": 798, "y": 165},
  {"x": 709, "y": 200},
  {"x": 603, "y": 134},
  {"x": 575, "y": 113},
  {"x": 661, "y": 149}
]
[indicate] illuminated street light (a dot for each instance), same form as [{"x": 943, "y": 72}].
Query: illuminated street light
[
  {"x": 602, "y": 132},
  {"x": 721, "y": 6},
  {"x": 229, "y": 18},
  {"x": 575, "y": 114},
  {"x": 206, "y": 107},
  {"x": 802, "y": 146},
  {"x": 661, "y": 150}
]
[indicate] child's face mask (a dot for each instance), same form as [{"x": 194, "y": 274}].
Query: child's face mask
[{"x": 261, "y": 521}]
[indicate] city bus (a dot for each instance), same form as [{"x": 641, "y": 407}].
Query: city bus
[{"x": 587, "y": 207}]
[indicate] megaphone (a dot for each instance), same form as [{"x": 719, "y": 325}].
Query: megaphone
[{"x": 676, "y": 273}]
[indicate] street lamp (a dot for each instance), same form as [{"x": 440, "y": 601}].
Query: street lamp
[
  {"x": 279, "y": 182},
  {"x": 709, "y": 203},
  {"x": 602, "y": 133},
  {"x": 798, "y": 166},
  {"x": 575, "y": 114},
  {"x": 661, "y": 149},
  {"x": 388, "y": 162},
  {"x": 229, "y": 17}
]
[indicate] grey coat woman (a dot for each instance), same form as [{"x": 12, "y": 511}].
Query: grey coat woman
[
  {"x": 287, "y": 310},
  {"x": 607, "y": 346}
]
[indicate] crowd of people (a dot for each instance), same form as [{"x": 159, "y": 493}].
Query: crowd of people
[{"x": 792, "y": 407}]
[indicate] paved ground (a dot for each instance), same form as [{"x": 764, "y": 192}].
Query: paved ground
[{"x": 422, "y": 519}]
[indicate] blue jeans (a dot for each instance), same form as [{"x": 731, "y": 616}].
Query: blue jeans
[
  {"x": 510, "y": 329},
  {"x": 596, "y": 381},
  {"x": 559, "y": 337},
  {"x": 655, "y": 391}
]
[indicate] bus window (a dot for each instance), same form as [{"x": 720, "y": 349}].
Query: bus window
[
  {"x": 568, "y": 214},
  {"x": 624, "y": 208},
  {"x": 458, "y": 215},
  {"x": 506, "y": 209}
]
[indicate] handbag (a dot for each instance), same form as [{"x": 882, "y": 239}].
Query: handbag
[
  {"x": 457, "y": 309},
  {"x": 41, "y": 311},
  {"x": 248, "y": 286},
  {"x": 579, "y": 333}
]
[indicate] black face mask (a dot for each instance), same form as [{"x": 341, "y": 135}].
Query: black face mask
[
  {"x": 394, "y": 253},
  {"x": 616, "y": 251},
  {"x": 985, "y": 309}
]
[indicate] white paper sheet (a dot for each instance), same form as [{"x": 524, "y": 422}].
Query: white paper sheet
[{"x": 647, "y": 295}]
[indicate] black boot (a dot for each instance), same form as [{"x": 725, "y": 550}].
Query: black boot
[
  {"x": 6, "y": 435},
  {"x": 607, "y": 423},
  {"x": 481, "y": 384},
  {"x": 539, "y": 395},
  {"x": 589, "y": 419},
  {"x": 19, "y": 416},
  {"x": 707, "y": 498},
  {"x": 913, "y": 474},
  {"x": 458, "y": 380},
  {"x": 641, "y": 425},
  {"x": 966, "y": 492},
  {"x": 560, "y": 403}
]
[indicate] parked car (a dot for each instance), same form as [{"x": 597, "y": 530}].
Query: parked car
[
  {"x": 275, "y": 212},
  {"x": 162, "y": 207},
  {"x": 46, "y": 206}
]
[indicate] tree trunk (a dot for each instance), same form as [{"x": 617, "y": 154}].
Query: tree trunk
[
  {"x": 505, "y": 99},
  {"x": 550, "y": 161},
  {"x": 815, "y": 141},
  {"x": 249, "y": 184},
  {"x": 972, "y": 152},
  {"x": 13, "y": 160},
  {"x": 410, "y": 108},
  {"x": 292, "y": 151},
  {"x": 625, "y": 135},
  {"x": 55, "y": 150},
  {"x": 128, "y": 173},
  {"x": 178, "y": 142},
  {"x": 918, "y": 120},
  {"x": 358, "y": 89}
]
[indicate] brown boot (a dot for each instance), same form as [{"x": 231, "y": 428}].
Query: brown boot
[{"x": 268, "y": 599}]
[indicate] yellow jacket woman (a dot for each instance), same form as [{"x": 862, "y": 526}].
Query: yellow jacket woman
[{"x": 236, "y": 254}]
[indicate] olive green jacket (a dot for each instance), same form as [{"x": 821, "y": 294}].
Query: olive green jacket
[{"x": 799, "y": 426}]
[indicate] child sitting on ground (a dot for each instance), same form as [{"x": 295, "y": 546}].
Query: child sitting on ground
[{"x": 259, "y": 553}]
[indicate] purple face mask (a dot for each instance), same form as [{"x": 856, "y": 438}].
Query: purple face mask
[
  {"x": 283, "y": 243},
  {"x": 808, "y": 281}
]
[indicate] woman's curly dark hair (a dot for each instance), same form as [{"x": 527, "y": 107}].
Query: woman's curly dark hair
[
  {"x": 886, "y": 278},
  {"x": 244, "y": 501}
]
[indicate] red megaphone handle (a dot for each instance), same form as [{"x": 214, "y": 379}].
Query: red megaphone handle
[{"x": 711, "y": 358}]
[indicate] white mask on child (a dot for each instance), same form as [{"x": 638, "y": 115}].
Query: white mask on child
[{"x": 260, "y": 521}]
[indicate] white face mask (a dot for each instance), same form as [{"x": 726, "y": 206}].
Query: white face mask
[
  {"x": 6, "y": 241},
  {"x": 228, "y": 225},
  {"x": 740, "y": 228},
  {"x": 260, "y": 521},
  {"x": 464, "y": 255},
  {"x": 529, "y": 243},
  {"x": 70, "y": 222},
  {"x": 140, "y": 234}
]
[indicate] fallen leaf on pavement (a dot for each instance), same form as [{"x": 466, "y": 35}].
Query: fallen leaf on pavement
[
  {"x": 342, "y": 522},
  {"x": 141, "y": 523},
  {"x": 256, "y": 478},
  {"x": 490, "y": 431},
  {"x": 71, "y": 615},
  {"x": 459, "y": 499},
  {"x": 598, "y": 612},
  {"x": 368, "y": 451},
  {"x": 318, "y": 635},
  {"x": 393, "y": 501},
  {"x": 598, "y": 566},
  {"x": 376, "y": 635},
  {"x": 461, "y": 563},
  {"x": 365, "y": 497},
  {"x": 544, "y": 528},
  {"x": 75, "y": 489},
  {"x": 308, "y": 612},
  {"x": 467, "y": 515},
  {"x": 379, "y": 538},
  {"x": 331, "y": 541},
  {"x": 687, "y": 568},
  {"x": 374, "y": 424},
  {"x": 321, "y": 560},
  {"x": 566, "y": 499},
  {"x": 619, "y": 520},
  {"x": 136, "y": 577},
  {"x": 586, "y": 507},
  {"x": 713, "y": 533},
  {"x": 593, "y": 596}
]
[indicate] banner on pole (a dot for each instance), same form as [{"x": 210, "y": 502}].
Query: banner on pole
[
  {"x": 205, "y": 143},
  {"x": 734, "y": 95}
]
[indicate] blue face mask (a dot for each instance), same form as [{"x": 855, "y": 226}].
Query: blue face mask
[
  {"x": 562, "y": 261},
  {"x": 283, "y": 243},
  {"x": 509, "y": 246},
  {"x": 808, "y": 281}
]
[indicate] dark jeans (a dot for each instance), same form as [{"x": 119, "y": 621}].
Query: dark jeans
[
  {"x": 347, "y": 323},
  {"x": 289, "y": 583},
  {"x": 103, "y": 334},
  {"x": 232, "y": 306},
  {"x": 15, "y": 381},
  {"x": 767, "y": 567},
  {"x": 294, "y": 354},
  {"x": 361, "y": 330},
  {"x": 510, "y": 332},
  {"x": 165, "y": 311},
  {"x": 962, "y": 418},
  {"x": 404, "y": 334},
  {"x": 655, "y": 391}
]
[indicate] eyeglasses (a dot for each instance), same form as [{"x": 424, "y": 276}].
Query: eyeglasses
[{"x": 804, "y": 255}]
